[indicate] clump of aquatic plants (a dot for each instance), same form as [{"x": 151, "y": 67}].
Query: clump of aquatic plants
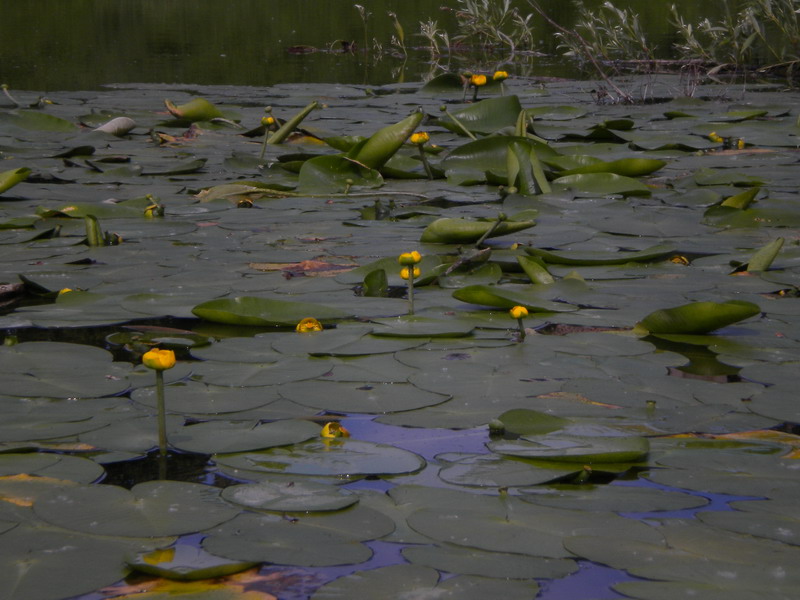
[
  {"x": 761, "y": 35},
  {"x": 649, "y": 267}
]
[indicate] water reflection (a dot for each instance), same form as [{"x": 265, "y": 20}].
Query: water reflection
[{"x": 49, "y": 45}]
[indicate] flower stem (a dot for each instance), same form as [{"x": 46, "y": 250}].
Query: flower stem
[
  {"x": 458, "y": 123},
  {"x": 425, "y": 162},
  {"x": 162, "y": 414},
  {"x": 411, "y": 292},
  {"x": 521, "y": 330}
]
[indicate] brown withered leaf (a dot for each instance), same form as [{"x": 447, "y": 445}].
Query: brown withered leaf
[
  {"x": 306, "y": 268},
  {"x": 135, "y": 587}
]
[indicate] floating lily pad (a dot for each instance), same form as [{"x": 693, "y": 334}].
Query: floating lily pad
[
  {"x": 61, "y": 370},
  {"x": 324, "y": 539},
  {"x": 248, "y": 310},
  {"x": 369, "y": 398},
  {"x": 467, "y": 561},
  {"x": 291, "y": 496},
  {"x": 183, "y": 562},
  {"x": 215, "y": 437},
  {"x": 493, "y": 471},
  {"x": 52, "y": 557},
  {"x": 57, "y": 466},
  {"x": 419, "y": 581},
  {"x": 584, "y": 449},
  {"x": 329, "y": 458},
  {"x": 157, "y": 508}
]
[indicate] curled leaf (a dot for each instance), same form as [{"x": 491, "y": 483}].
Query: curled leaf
[
  {"x": 696, "y": 318},
  {"x": 9, "y": 179},
  {"x": 464, "y": 231},
  {"x": 198, "y": 109},
  {"x": 382, "y": 145}
]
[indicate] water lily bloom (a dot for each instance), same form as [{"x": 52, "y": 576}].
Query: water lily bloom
[
  {"x": 334, "y": 430},
  {"x": 519, "y": 312},
  {"x": 405, "y": 273},
  {"x": 500, "y": 76},
  {"x": 158, "y": 359},
  {"x": 267, "y": 121},
  {"x": 714, "y": 137},
  {"x": 420, "y": 138},
  {"x": 64, "y": 291},
  {"x": 307, "y": 325},
  {"x": 409, "y": 258},
  {"x": 477, "y": 80},
  {"x": 740, "y": 144}
]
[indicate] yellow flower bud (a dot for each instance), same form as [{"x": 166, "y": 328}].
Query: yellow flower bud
[
  {"x": 405, "y": 272},
  {"x": 715, "y": 138},
  {"x": 307, "y": 325},
  {"x": 64, "y": 291},
  {"x": 267, "y": 121},
  {"x": 500, "y": 76},
  {"x": 420, "y": 138},
  {"x": 158, "y": 359},
  {"x": 477, "y": 80},
  {"x": 334, "y": 430},
  {"x": 409, "y": 258},
  {"x": 740, "y": 144},
  {"x": 518, "y": 312}
]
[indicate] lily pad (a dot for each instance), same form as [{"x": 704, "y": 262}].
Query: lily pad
[
  {"x": 183, "y": 562},
  {"x": 249, "y": 310},
  {"x": 215, "y": 437},
  {"x": 292, "y": 496},
  {"x": 339, "y": 456},
  {"x": 157, "y": 508},
  {"x": 419, "y": 582},
  {"x": 368, "y": 398}
]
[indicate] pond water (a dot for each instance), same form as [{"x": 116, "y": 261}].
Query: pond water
[
  {"x": 48, "y": 45},
  {"x": 613, "y": 451}
]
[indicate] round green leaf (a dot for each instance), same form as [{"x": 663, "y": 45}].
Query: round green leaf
[
  {"x": 214, "y": 437},
  {"x": 156, "y": 508},
  {"x": 290, "y": 496},
  {"x": 370, "y": 398},
  {"x": 183, "y": 562},
  {"x": 249, "y": 310},
  {"x": 339, "y": 456}
]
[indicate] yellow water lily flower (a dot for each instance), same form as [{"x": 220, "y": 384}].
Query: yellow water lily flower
[
  {"x": 267, "y": 121},
  {"x": 409, "y": 258},
  {"x": 405, "y": 272},
  {"x": 158, "y": 359},
  {"x": 420, "y": 138},
  {"x": 334, "y": 430},
  {"x": 714, "y": 137},
  {"x": 740, "y": 144},
  {"x": 518, "y": 312},
  {"x": 64, "y": 291},
  {"x": 477, "y": 80},
  {"x": 307, "y": 325},
  {"x": 500, "y": 76}
]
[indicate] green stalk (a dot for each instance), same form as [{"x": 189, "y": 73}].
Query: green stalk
[
  {"x": 500, "y": 218},
  {"x": 458, "y": 123},
  {"x": 425, "y": 162},
  {"x": 411, "y": 290},
  {"x": 521, "y": 330},
  {"x": 162, "y": 414}
]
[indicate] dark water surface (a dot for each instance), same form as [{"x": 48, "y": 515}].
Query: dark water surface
[{"x": 52, "y": 45}]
